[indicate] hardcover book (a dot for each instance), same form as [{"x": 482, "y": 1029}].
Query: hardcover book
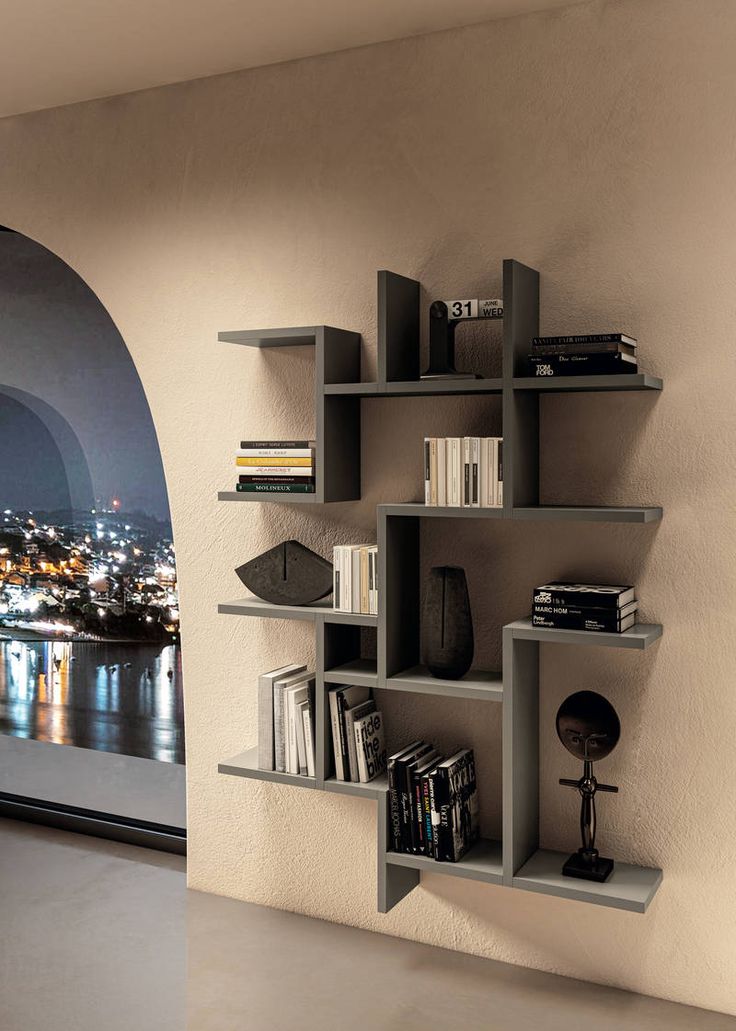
[
  {"x": 370, "y": 746},
  {"x": 456, "y": 802},
  {"x": 278, "y": 488},
  {"x": 595, "y": 619},
  {"x": 352, "y": 716},
  {"x": 280, "y": 729},
  {"x": 266, "y": 738},
  {"x": 393, "y": 792},
  {"x": 599, "y": 596},
  {"x": 585, "y": 338},
  {"x": 342, "y": 699},
  {"x": 582, "y": 365},
  {"x": 248, "y": 445}
]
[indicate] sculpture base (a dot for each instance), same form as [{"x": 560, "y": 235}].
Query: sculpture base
[{"x": 578, "y": 866}]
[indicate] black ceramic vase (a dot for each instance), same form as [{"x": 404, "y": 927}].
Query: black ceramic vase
[{"x": 447, "y": 624}]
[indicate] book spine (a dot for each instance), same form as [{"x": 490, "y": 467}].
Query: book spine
[
  {"x": 591, "y": 348},
  {"x": 336, "y": 552},
  {"x": 265, "y": 724},
  {"x": 433, "y": 471},
  {"x": 275, "y": 479},
  {"x": 350, "y": 744},
  {"x": 584, "y": 338},
  {"x": 602, "y": 622},
  {"x": 301, "y": 741},
  {"x": 292, "y": 754},
  {"x": 270, "y": 488},
  {"x": 582, "y": 365},
  {"x": 370, "y": 748},
  {"x": 342, "y": 733},
  {"x": 282, "y": 453},
  {"x": 346, "y": 594},
  {"x": 434, "y": 812},
  {"x": 553, "y": 609},
  {"x": 309, "y": 740},
  {"x": 475, "y": 472},
  {"x": 269, "y": 469},
  {"x": 427, "y": 471},
  {"x": 405, "y": 805},
  {"x": 588, "y": 599},
  {"x": 441, "y": 471},
  {"x": 466, "y": 501},
  {"x": 443, "y": 804},
  {"x": 289, "y": 445},
  {"x": 394, "y": 808},
  {"x": 355, "y": 581},
  {"x": 278, "y": 729},
  {"x": 427, "y": 816},
  {"x": 499, "y": 475}
]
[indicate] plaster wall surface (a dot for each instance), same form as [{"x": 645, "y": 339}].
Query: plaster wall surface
[{"x": 596, "y": 144}]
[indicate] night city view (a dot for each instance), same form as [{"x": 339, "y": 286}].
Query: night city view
[{"x": 89, "y": 613}]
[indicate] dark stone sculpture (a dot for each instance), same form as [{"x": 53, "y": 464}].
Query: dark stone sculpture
[
  {"x": 447, "y": 623},
  {"x": 288, "y": 574},
  {"x": 589, "y": 728}
]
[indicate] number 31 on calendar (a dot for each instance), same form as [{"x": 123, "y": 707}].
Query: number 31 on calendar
[{"x": 489, "y": 309}]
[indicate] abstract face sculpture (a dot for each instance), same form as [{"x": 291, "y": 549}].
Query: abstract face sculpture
[{"x": 288, "y": 574}]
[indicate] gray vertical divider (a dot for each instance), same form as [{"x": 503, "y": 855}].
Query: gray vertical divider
[
  {"x": 337, "y": 360},
  {"x": 520, "y": 767},
  {"x": 398, "y": 571},
  {"x": 394, "y": 882},
  {"x": 321, "y": 710},
  {"x": 398, "y": 355},
  {"x": 520, "y": 408}
]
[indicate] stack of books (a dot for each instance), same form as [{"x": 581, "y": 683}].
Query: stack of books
[
  {"x": 463, "y": 472},
  {"x": 433, "y": 802},
  {"x": 280, "y": 466},
  {"x": 355, "y": 578},
  {"x": 286, "y": 720},
  {"x": 357, "y": 734},
  {"x": 590, "y": 354},
  {"x": 569, "y": 606}
]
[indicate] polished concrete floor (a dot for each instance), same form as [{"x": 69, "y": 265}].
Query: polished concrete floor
[{"x": 96, "y": 936}]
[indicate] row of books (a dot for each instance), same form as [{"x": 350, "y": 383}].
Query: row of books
[
  {"x": 357, "y": 734},
  {"x": 281, "y": 466},
  {"x": 588, "y": 354},
  {"x": 286, "y": 720},
  {"x": 433, "y": 802},
  {"x": 569, "y": 606},
  {"x": 355, "y": 578},
  {"x": 463, "y": 472}
]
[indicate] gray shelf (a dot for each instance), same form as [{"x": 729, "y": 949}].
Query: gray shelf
[
  {"x": 257, "y": 607},
  {"x": 587, "y": 384},
  {"x": 375, "y": 789},
  {"x": 416, "y": 508},
  {"x": 589, "y": 513},
  {"x": 293, "y": 336},
  {"x": 481, "y": 863},
  {"x": 246, "y": 765},
  {"x": 279, "y": 497},
  {"x": 477, "y": 683},
  {"x": 629, "y": 887},
  {"x": 361, "y": 672},
  {"x": 640, "y": 636},
  {"x": 350, "y": 618}
]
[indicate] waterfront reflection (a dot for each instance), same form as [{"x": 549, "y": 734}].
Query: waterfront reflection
[{"x": 124, "y": 698}]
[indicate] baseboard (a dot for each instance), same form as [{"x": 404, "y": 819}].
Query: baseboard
[{"x": 98, "y": 825}]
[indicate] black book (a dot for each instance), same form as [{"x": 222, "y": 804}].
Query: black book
[
  {"x": 602, "y": 347},
  {"x": 393, "y": 792},
  {"x": 275, "y": 479},
  {"x": 582, "y": 365},
  {"x": 598, "y": 596},
  {"x": 557, "y": 609},
  {"x": 585, "y": 338},
  {"x": 404, "y": 794},
  {"x": 597, "y": 620},
  {"x": 456, "y": 804},
  {"x": 289, "y": 444},
  {"x": 415, "y": 773}
]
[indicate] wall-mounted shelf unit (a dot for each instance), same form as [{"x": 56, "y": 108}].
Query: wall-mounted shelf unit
[{"x": 517, "y": 861}]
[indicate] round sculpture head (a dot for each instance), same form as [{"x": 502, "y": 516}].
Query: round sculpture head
[{"x": 588, "y": 726}]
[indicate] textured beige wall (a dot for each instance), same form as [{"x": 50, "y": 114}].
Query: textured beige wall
[{"x": 596, "y": 144}]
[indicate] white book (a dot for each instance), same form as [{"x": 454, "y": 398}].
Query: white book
[
  {"x": 357, "y": 712},
  {"x": 275, "y": 452},
  {"x": 483, "y": 471},
  {"x": 427, "y": 470},
  {"x": 279, "y": 715},
  {"x": 441, "y": 471},
  {"x": 370, "y": 746},
  {"x": 301, "y": 741},
  {"x": 336, "y": 574},
  {"x": 309, "y": 740},
  {"x": 355, "y": 579},
  {"x": 373, "y": 591},
  {"x": 475, "y": 472},
  {"x": 466, "y": 472},
  {"x": 292, "y": 697},
  {"x": 276, "y": 470},
  {"x": 457, "y": 471},
  {"x": 266, "y": 738},
  {"x": 493, "y": 463},
  {"x": 499, "y": 472}
]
